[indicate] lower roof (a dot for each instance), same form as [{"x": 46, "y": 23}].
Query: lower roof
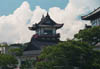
[{"x": 39, "y": 44}]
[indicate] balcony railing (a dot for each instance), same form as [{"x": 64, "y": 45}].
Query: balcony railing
[
  {"x": 50, "y": 36},
  {"x": 47, "y": 35}
]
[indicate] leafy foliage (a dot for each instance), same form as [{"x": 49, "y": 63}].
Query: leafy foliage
[
  {"x": 90, "y": 35},
  {"x": 27, "y": 64},
  {"x": 3, "y": 45},
  {"x": 8, "y": 61},
  {"x": 15, "y": 51},
  {"x": 69, "y": 54}
]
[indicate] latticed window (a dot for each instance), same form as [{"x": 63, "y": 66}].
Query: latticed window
[
  {"x": 49, "y": 32},
  {"x": 96, "y": 22}
]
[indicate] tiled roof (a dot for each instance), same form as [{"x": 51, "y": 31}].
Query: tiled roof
[
  {"x": 31, "y": 47},
  {"x": 31, "y": 53},
  {"x": 45, "y": 20},
  {"x": 91, "y": 14}
]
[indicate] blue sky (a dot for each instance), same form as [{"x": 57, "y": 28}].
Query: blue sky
[{"x": 8, "y": 6}]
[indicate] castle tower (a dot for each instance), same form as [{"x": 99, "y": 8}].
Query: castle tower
[
  {"x": 46, "y": 29},
  {"x": 45, "y": 35}
]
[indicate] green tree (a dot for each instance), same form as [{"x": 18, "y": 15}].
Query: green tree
[
  {"x": 4, "y": 45},
  {"x": 90, "y": 35},
  {"x": 69, "y": 54},
  {"x": 8, "y": 61},
  {"x": 28, "y": 63},
  {"x": 16, "y": 51}
]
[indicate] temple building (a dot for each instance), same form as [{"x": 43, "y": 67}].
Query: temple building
[
  {"x": 45, "y": 35},
  {"x": 94, "y": 17}
]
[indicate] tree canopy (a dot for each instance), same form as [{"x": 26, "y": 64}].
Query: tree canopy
[
  {"x": 69, "y": 54},
  {"x": 90, "y": 35},
  {"x": 16, "y": 51},
  {"x": 8, "y": 61}
]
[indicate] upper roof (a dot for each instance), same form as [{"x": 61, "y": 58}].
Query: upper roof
[
  {"x": 93, "y": 15},
  {"x": 46, "y": 22}
]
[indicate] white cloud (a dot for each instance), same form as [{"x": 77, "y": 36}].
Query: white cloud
[
  {"x": 14, "y": 27},
  {"x": 86, "y": 3},
  {"x": 70, "y": 16},
  {"x": 37, "y": 14}
]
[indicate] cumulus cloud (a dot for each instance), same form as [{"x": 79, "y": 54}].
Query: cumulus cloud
[
  {"x": 37, "y": 14},
  {"x": 14, "y": 27},
  {"x": 70, "y": 16},
  {"x": 88, "y": 4}
]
